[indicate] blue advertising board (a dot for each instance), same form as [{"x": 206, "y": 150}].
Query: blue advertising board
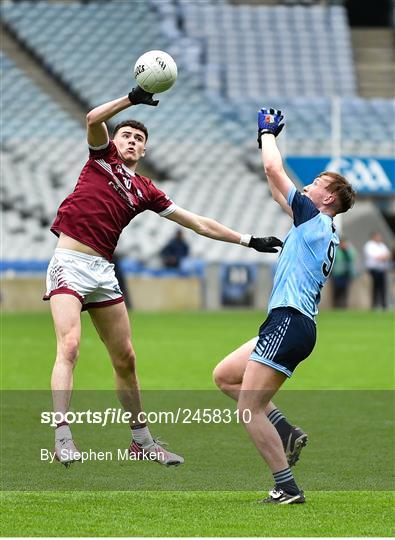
[{"x": 368, "y": 175}]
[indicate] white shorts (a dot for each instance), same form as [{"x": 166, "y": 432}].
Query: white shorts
[{"x": 91, "y": 279}]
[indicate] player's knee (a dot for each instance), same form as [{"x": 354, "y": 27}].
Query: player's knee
[
  {"x": 246, "y": 407},
  {"x": 220, "y": 377},
  {"x": 250, "y": 403},
  {"x": 125, "y": 362},
  {"x": 70, "y": 349},
  {"x": 242, "y": 409}
]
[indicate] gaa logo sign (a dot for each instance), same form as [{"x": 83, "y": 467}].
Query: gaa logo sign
[
  {"x": 368, "y": 174},
  {"x": 364, "y": 174}
]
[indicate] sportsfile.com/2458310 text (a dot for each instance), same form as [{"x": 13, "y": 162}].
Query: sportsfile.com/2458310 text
[{"x": 178, "y": 416}]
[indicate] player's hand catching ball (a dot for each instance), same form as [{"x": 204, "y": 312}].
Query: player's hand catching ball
[
  {"x": 138, "y": 95},
  {"x": 269, "y": 121},
  {"x": 265, "y": 245}
]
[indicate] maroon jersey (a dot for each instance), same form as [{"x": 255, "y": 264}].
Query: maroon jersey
[{"x": 106, "y": 198}]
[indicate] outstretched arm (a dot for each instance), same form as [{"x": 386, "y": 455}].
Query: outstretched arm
[
  {"x": 269, "y": 126},
  {"x": 97, "y": 133},
  {"x": 279, "y": 181},
  {"x": 213, "y": 229}
]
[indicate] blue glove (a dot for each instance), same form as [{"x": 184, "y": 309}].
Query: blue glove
[{"x": 269, "y": 121}]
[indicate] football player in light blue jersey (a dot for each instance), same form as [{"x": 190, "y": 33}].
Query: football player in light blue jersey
[
  {"x": 311, "y": 243},
  {"x": 255, "y": 371}
]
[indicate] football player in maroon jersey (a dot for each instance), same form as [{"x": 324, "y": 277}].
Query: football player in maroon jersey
[{"x": 109, "y": 193}]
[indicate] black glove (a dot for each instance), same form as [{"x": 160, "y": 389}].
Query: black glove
[
  {"x": 138, "y": 95},
  {"x": 265, "y": 245},
  {"x": 269, "y": 121}
]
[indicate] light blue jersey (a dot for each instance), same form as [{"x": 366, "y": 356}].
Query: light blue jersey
[{"x": 306, "y": 259}]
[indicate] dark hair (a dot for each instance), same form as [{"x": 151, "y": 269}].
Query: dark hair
[
  {"x": 131, "y": 123},
  {"x": 339, "y": 186}
]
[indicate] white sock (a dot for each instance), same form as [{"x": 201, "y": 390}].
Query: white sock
[
  {"x": 63, "y": 432},
  {"x": 142, "y": 436}
]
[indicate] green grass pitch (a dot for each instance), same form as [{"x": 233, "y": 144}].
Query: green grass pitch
[{"x": 354, "y": 356}]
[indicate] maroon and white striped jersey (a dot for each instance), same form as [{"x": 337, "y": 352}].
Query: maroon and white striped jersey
[{"x": 106, "y": 198}]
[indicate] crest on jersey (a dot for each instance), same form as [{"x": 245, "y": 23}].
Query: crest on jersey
[
  {"x": 126, "y": 177},
  {"x": 127, "y": 181}
]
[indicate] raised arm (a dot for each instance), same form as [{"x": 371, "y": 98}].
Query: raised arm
[
  {"x": 269, "y": 126},
  {"x": 97, "y": 133},
  {"x": 213, "y": 229}
]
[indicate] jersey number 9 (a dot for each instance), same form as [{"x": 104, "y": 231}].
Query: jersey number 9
[{"x": 326, "y": 268}]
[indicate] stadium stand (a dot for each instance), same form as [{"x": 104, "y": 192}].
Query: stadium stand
[
  {"x": 39, "y": 149},
  {"x": 315, "y": 62},
  {"x": 313, "y": 56},
  {"x": 188, "y": 155},
  {"x": 90, "y": 48}
]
